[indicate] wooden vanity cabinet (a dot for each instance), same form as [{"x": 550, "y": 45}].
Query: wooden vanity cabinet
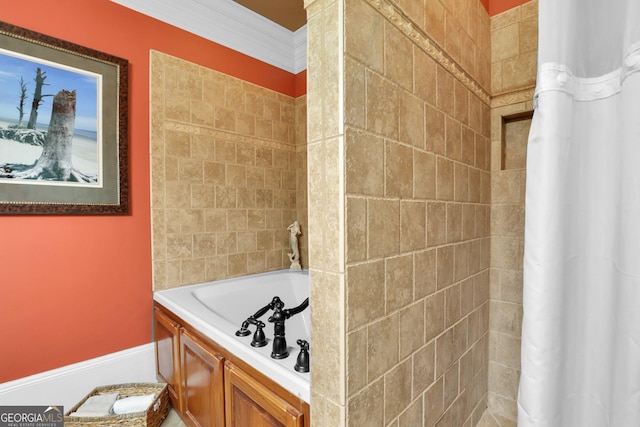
[
  {"x": 250, "y": 403},
  {"x": 211, "y": 387},
  {"x": 167, "y": 343},
  {"x": 202, "y": 382}
]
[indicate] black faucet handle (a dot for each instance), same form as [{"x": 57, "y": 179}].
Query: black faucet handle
[
  {"x": 244, "y": 329},
  {"x": 302, "y": 362},
  {"x": 259, "y": 339}
]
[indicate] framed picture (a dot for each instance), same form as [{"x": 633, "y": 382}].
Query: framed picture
[{"x": 63, "y": 127}]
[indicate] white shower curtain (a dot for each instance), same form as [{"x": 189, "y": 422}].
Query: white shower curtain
[{"x": 581, "y": 327}]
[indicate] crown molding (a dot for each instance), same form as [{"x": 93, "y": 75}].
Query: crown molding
[
  {"x": 300, "y": 49},
  {"x": 228, "y": 23}
]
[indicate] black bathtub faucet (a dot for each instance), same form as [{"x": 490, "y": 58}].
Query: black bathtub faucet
[
  {"x": 280, "y": 350},
  {"x": 253, "y": 320}
]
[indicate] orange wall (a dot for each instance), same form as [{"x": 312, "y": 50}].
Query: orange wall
[
  {"x": 486, "y": 4},
  {"x": 77, "y": 287},
  {"x": 300, "y": 84},
  {"x": 498, "y": 6}
]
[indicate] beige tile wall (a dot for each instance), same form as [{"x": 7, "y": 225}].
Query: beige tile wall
[
  {"x": 399, "y": 192},
  {"x": 507, "y": 243},
  {"x": 514, "y": 46},
  {"x": 461, "y": 28},
  {"x": 227, "y": 161},
  {"x": 301, "y": 176}
]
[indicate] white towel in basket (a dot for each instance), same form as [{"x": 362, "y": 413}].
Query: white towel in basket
[
  {"x": 131, "y": 404},
  {"x": 97, "y": 405}
]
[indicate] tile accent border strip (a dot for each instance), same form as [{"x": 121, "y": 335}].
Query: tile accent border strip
[
  {"x": 395, "y": 16},
  {"x": 217, "y": 133},
  {"x": 513, "y": 97}
]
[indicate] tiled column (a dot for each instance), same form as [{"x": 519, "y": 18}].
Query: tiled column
[
  {"x": 326, "y": 210},
  {"x": 399, "y": 191}
]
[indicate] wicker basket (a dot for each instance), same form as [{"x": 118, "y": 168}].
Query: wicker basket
[{"x": 152, "y": 417}]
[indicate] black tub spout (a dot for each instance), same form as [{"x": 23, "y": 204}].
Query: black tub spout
[{"x": 280, "y": 350}]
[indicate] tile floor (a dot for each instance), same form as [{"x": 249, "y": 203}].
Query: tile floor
[
  {"x": 487, "y": 420},
  {"x": 173, "y": 420},
  {"x": 491, "y": 420}
]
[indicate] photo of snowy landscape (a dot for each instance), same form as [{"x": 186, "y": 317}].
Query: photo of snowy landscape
[{"x": 40, "y": 144}]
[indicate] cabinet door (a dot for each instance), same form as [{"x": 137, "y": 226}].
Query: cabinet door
[
  {"x": 250, "y": 403},
  {"x": 167, "y": 339},
  {"x": 202, "y": 382}
]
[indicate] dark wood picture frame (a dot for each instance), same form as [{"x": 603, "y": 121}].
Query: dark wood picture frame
[{"x": 110, "y": 193}]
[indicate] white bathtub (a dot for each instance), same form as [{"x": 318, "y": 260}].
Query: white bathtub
[{"x": 217, "y": 310}]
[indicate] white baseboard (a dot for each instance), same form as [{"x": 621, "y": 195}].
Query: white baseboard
[{"x": 68, "y": 385}]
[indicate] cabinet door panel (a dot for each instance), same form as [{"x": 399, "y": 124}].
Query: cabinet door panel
[
  {"x": 167, "y": 339},
  {"x": 202, "y": 382},
  {"x": 249, "y": 403}
]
